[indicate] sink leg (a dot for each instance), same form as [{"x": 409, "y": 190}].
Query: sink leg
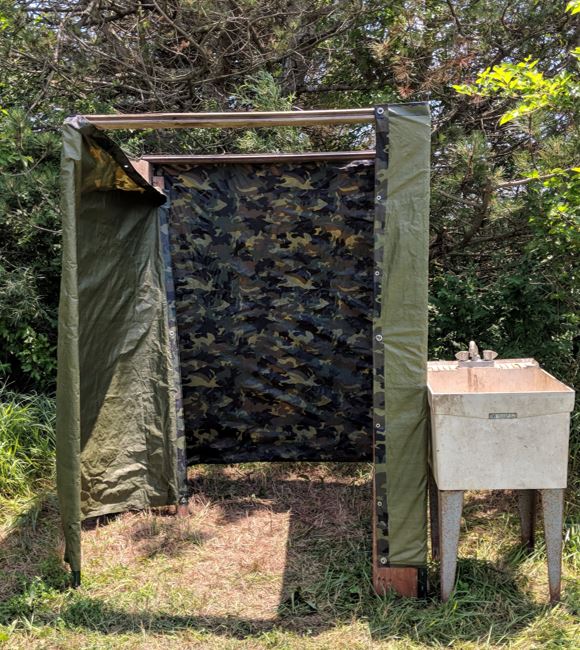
[
  {"x": 527, "y": 503},
  {"x": 434, "y": 515},
  {"x": 553, "y": 508},
  {"x": 450, "y": 507}
]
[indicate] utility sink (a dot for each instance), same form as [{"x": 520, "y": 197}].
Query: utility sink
[{"x": 498, "y": 425}]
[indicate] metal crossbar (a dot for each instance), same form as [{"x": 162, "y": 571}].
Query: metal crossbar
[{"x": 232, "y": 120}]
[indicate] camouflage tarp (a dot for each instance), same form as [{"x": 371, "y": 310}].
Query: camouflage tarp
[{"x": 272, "y": 265}]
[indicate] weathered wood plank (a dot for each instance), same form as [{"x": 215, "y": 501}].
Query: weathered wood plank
[
  {"x": 143, "y": 168},
  {"x": 402, "y": 580}
]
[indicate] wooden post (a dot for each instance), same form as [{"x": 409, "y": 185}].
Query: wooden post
[
  {"x": 143, "y": 168},
  {"x": 404, "y": 581}
]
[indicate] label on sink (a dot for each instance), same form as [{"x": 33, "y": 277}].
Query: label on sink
[{"x": 503, "y": 416}]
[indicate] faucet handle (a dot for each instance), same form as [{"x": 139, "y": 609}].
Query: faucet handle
[
  {"x": 462, "y": 356},
  {"x": 489, "y": 355}
]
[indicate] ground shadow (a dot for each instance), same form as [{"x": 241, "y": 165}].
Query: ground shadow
[{"x": 326, "y": 578}]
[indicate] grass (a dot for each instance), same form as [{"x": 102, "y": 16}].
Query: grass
[
  {"x": 26, "y": 453},
  {"x": 271, "y": 556}
]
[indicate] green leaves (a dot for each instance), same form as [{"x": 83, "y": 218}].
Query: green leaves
[
  {"x": 29, "y": 250},
  {"x": 523, "y": 83}
]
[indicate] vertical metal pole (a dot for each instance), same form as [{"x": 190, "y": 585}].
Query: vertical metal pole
[
  {"x": 527, "y": 504},
  {"x": 450, "y": 507},
  {"x": 553, "y": 508}
]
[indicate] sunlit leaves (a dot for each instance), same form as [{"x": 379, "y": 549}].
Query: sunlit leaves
[{"x": 522, "y": 82}]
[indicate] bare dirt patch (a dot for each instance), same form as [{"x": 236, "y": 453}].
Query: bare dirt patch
[{"x": 255, "y": 539}]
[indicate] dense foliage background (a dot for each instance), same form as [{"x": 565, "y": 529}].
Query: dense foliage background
[
  {"x": 505, "y": 195},
  {"x": 502, "y": 79}
]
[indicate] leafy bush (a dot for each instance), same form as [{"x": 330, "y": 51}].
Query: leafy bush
[{"x": 29, "y": 251}]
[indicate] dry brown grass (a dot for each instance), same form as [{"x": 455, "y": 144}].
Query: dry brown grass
[
  {"x": 240, "y": 552},
  {"x": 271, "y": 556}
]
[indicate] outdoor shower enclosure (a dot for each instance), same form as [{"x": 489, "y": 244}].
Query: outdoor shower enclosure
[{"x": 233, "y": 308}]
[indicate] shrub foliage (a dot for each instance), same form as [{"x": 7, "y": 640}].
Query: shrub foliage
[{"x": 503, "y": 85}]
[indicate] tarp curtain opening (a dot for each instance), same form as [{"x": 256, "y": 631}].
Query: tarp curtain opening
[{"x": 115, "y": 389}]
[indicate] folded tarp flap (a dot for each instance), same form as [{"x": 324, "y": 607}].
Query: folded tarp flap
[{"x": 116, "y": 446}]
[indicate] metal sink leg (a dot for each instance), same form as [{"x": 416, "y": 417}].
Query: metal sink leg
[
  {"x": 450, "y": 507},
  {"x": 553, "y": 508},
  {"x": 446, "y": 508}
]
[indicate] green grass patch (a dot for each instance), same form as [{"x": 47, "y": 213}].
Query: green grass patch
[
  {"x": 27, "y": 453},
  {"x": 149, "y": 581}
]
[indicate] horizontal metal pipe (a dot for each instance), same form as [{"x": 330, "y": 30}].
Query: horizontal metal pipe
[
  {"x": 367, "y": 154},
  {"x": 233, "y": 120}
]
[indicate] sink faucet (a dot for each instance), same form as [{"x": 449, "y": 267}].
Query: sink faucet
[
  {"x": 473, "y": 351},
  {"x": 470, "y": 358}
]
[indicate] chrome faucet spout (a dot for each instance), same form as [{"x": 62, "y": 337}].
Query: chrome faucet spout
[{"x": 473, "y": 351}]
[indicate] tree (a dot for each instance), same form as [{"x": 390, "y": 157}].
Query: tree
[
  {"x": 503, "y": 244},
  {"x": 29, "y": 212}
]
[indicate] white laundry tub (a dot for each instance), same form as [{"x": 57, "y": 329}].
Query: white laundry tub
[{"x": 500, "y": 427}]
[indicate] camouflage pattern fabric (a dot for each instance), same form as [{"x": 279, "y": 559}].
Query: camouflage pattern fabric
[
  {"x": 381, "y": 523},
  {"x": 273, "y": 273},
  {"x": 180, "y": 443}
]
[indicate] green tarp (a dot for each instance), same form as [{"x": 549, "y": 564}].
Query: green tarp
[
  {"x": 402, "y": 257},
  {"x": 115, "y": 394},
  {"x": 119, "y": 443}
]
